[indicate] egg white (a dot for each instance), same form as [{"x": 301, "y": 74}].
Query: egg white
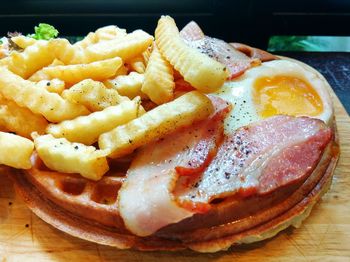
[{"x": 239, "y": 92}]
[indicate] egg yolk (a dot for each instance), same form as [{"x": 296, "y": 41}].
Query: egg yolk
[{"x": 286, "y": 95}]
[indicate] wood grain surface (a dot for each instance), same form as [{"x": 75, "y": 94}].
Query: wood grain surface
[{"x": 324, "y": 236}]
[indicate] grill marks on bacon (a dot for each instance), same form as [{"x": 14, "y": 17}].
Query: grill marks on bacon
[
  {"x": 235, "y": 61},
  {"x": 145, "y": 200},
  {"x": 259, "y": 158}
]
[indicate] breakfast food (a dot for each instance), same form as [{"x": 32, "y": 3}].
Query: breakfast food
[{"x": 168, "y": 142}]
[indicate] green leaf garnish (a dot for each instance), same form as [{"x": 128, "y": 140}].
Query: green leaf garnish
[{"x": 44, "y": 32}]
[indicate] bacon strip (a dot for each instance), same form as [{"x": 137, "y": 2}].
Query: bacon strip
[
  {"x": 145, "y": 200},
  {"x": 235, "y": 61},
  {"x": 254, "y": 53},
  {"x": 259, "y": 158},
  {"x": 192, "y": 32},
  {"x": 256, "y": 159}
]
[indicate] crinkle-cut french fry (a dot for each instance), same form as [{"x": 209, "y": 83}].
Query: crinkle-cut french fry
[
  {"x": 89, "y": 39},
  {"x": 31, "y": 59},
  {"x": 56, "y": 62},
  {"x": 146, "y": 54},
  {"x": 137, "y": 64},
  {"x": 93, "y": 95},
  {"x": 40, "y": 101},
  {"x": 61, "y": 155},
  {"x": 23, "y": 41},
  {"x": 38, "y": 76},
  {"x": 15, "y": 151},
  {"x": 109, "y": 32},
  {"x": 87, "y": 129},
  {"x": 20, "y": 119},
  {"x": 68, "y": 53},
  {"x": 156, "y": 123},
  {"x": 104, "y": 33},
  {"x": 127, "y": 85},
  {"x": 201, "y": 71},
  {"x": 54, "y": 85},
  {"x": 125, "y": 47},
  {"x": 73, "y": 74},
  {"x": 123, "y": 70},
  {"x": 159, "y": 81}
]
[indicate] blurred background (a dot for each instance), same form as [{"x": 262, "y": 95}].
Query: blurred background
[
  {"x": 299, "y": 26},
  {"x": 279, "y": 25}
]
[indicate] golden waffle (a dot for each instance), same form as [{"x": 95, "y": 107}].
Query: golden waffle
[{"x": 89, "y": 210}]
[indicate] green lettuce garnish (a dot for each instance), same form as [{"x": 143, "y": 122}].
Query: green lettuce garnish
[{"x": 44, "y": 32}]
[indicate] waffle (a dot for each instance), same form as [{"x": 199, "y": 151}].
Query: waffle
[{"x": 89, "y": 210}]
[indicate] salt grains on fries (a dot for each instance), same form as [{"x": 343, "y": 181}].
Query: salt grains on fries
[
  {"x": 87, "y": 129},
  {"x": 15, "y": 151},
  {"x": 40, "y": 101},
  {"x": 93, "y": 95},
  {"x": 159, "y": 81},
  {"x": 202, "y": 72},
  {"x": 54, "y": 85},
  {"x": 72, "y": 74},
  {"x": 63, "y": 156},
  {"x": 127, "y": 85},
  {"x": 156, "y": 123},
  {"x": 67, "y": 97}
]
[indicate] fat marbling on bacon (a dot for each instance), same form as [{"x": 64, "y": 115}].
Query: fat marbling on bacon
[{"x": 161, "y": 189}]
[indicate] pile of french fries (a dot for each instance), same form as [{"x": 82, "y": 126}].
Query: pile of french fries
[{"x": 78, "y": 104}]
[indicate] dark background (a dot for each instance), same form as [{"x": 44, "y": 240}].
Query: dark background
[{"x": 248, "y": 21}]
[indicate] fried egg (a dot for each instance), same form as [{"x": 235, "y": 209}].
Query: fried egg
[{"x": 277, "y": 87}]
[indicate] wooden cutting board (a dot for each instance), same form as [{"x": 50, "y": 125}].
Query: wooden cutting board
[{"x": 324, "y": 236}]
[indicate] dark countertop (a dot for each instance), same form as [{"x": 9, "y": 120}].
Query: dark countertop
[{"x": 335, "y": 66}]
